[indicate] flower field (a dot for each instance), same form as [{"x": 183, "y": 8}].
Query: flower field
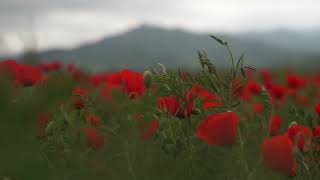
[{"x": 60, "y": 122}]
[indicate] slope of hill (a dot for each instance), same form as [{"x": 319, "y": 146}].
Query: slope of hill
[{"x": 147, "y": 45}]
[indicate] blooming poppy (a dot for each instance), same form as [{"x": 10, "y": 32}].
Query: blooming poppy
[
  {"x": 277, "y": 92},
  {"x": 299, "y": 135},
  {"x": 79, "y": 104},
  {"x": 317, "y": 108},
  {"x": 149, "y": 129},
  {"x": 172, "y": 105},
  {"x": 277, "y": 154},
  {"x": 258, "y": 107},
  {"x": 209, "y": 98},
  {"x": 275, "y": 125},
  {"x": 79, "y": 91},
  {"x": 95, "y": 139},
  {"x": 295, "y": 82},
  {"x": 27, "y": 75},
  {"x": 131, "y": 81},
  {"x": 94, "y": 120},
  {"x": 42, "y": 122},
  {"x": 219, "y": 129}
]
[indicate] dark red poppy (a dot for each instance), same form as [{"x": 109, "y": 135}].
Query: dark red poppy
[
  {"x": 27, "y": 75},
  {"x": 171, "y": 105},
  {"x": 317, "y": 109},
  {"x": 295, "y": 82},
  {"x": 266, "y": 75},
  {"x": 79, "y": 104},
  {"x": 94, "y": 120},
  {"x": 275, "y": 125},
  {"x": 149, "y": 129},
  {"x": 277, "y": 154},
  {"x": 209, "y": 98},
  {"x": 95, "y": 138},
  {"x": 258, "y": 107},
  {"x": 70, "y": 67},
  {"x": 98, "y": 79},
  {"x": 79, "y": 91},
  {"x": 316, "y": 132},
  {"x": 278, "y": 92},
  {"x": 299, "y": 135},
  {"x": 219, "y": 129},
  {"x": 302, "y": 100},
  {"x": 132, "y": 82},
  {"x": 42, "y": 122}
]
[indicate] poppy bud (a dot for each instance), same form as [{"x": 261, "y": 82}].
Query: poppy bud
[{"x": 147, "y": 78}]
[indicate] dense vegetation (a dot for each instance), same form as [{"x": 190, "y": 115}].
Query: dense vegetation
[{"x": 60, "y": 122}]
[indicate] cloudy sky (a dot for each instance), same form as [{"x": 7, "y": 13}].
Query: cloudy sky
[{"x": 67, "y": 23}]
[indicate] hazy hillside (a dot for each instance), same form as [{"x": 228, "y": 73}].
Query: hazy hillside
[{"x": 146, "y": 45}]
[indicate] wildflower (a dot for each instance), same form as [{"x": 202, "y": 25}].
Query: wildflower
[
  {"x": 27, "y": 75},
  {"x": 295, "y": 82},
  {"x": 94, "y": 120},
  {"x": 78, "y": 91},
  {"x": 317, "y": 109},
  {"x": 95, "y": 139},
  {"x": 209, "y": 98},
  {"x": 258, "y": 107},
  {"x": 275, "y": 125},
  {"x": 172, "y": 105},
  {"x": 79, "y": 104},
  {"x": 42, "y": 122},
  {"x": 277, "y": 92},
  {"x": 300, "y": 136},
  {"x": 149, "y": 129},
  {"x": 278, "y": 154},
  {"x": 219, "y": 129}
]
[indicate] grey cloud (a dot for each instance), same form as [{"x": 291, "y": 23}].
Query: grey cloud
[{"x": 57, "y": 21}]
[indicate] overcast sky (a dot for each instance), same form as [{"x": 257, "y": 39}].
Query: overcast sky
[{"x": 67, "y": 23}]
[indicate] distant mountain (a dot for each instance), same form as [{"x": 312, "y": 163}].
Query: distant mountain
[{"x": 145, "y": 46}]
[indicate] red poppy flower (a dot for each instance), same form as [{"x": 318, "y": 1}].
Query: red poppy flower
[
  {"x": 173, "y": 106},
  {"x": 295, "y": 82},
  {"x": 277, "y": 92},
  {"x": 277, "y": 154},
  {"x": 95, "y": 139},
  {"x": 27, "y": 75},
  {"x": 316, "y": 132},
  {"x": 299, "y": 135},
  {"x": 94, "y": 120},
  {"x": 209, "y": 98},
  {"x": 79, "y": 104},
  {"x": 250, "y": 89},
  {"x": 131, "y": 81},
  {"x": 219, "y": 129},
  {"x": 258, "y": 107},
  {"x": 149, "y": 129},
  {"x": 97, "y": 79},
  {"x": 317, "y": 108},
  {"x": 78, "y": 91},
  {"x": 254, "y": 87},
  {"x": 70, "y": 67},
  {"x": 275, "y": 125},
  {"x": 42, "y": 122},
  {"x": 302, "y": 100},
  {"x": 266, "y": 75}
]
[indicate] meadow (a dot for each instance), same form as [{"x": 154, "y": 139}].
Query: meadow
[{"x": 60, "y": 122}]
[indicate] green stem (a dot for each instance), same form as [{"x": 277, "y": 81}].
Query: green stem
[{"x": 130, "y": 167}]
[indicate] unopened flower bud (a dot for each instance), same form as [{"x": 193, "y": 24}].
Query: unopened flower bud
[
  {"x": 147, "y": 77},
  {"x": 293, "y": 123}
]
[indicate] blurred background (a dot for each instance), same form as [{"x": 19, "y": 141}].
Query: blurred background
[{"x": 137, "y": 34}]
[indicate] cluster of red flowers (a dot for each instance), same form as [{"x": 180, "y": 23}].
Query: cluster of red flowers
[{"x": 216, "y": 129}]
